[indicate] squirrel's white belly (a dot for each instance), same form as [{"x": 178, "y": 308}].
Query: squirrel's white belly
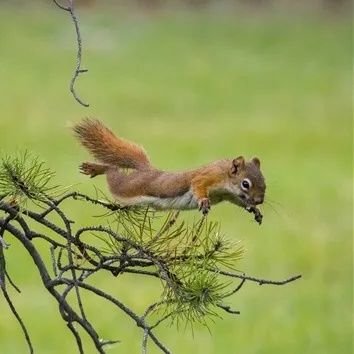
[{"x": 184, "y": 201}]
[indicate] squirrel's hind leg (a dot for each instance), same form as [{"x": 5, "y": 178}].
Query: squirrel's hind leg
[{"x": 93, "y": 169}]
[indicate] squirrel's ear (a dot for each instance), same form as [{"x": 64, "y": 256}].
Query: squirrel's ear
[
  {"x": 237, "y": 163},
  {"x": 256, "y": 161}
]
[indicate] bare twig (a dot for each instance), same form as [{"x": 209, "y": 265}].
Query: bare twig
[
  {"x": 238, "y": 287},
  {"x": 145, "y": 340},
  {"x": 78, "y": 70},
  {"x": 19, "y": 319},
  {"x": 11, "y": 282},
  {"x": 260, "y": 281},
  {"x": 3, "y": 276},
  {"x": 61, "y": 6},
  {"x": 228, "y": 309}
]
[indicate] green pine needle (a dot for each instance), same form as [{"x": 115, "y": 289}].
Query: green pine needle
[{"x": 24, "y": 177}]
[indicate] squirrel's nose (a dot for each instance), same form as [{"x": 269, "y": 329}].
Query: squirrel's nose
[{"x": 258, "y": 200}]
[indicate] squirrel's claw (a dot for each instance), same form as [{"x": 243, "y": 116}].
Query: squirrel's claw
[
  {"x": 204, "y": 205},
  {"x": 257, "y": 213},
  {"x": 88, "y": 168}
]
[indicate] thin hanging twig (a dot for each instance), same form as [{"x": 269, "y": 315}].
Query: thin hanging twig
[{"x": 78, "y": 70}]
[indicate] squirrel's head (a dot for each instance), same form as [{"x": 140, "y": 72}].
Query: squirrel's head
[{"x": 247, "y": 181}]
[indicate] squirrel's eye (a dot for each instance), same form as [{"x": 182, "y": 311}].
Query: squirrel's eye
[{"x": 246, "y": 184}]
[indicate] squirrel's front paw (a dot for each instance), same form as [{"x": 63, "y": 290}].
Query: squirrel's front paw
[
  {"x": 204, "y": 205},
  {"x": 257, "y": 213},
  {"x": 88, "y": 168}
]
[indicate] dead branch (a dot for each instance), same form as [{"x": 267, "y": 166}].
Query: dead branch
[{"x": 78, "y": 70}]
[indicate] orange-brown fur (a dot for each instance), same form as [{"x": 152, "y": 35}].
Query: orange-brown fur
[
  {"x": 153, "y": 182},
  {"x": 108, "y": 148},
  {"x": 211, "y": 183}
]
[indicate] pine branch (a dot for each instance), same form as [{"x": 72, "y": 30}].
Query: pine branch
[{"x": 193, "y": 263}]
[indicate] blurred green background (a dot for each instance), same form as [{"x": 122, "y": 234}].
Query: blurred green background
[{"x": 195, "y": 83}]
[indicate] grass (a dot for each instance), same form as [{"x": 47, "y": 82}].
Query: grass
[{"x": 193, "y": 87}]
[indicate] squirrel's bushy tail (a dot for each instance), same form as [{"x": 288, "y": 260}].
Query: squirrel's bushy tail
[{"x": 108, "y": 148}]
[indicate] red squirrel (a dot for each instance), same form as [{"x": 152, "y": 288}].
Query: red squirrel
[{"x": 134, "y": 181}]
